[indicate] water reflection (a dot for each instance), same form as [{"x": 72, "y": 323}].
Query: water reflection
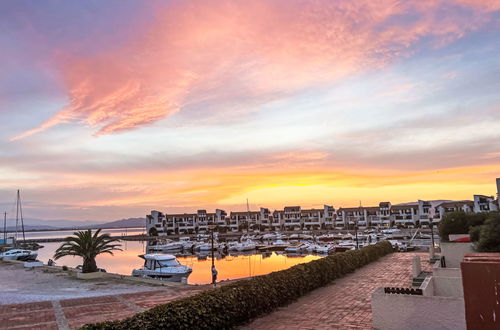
[{"x": 231, "y": 266}]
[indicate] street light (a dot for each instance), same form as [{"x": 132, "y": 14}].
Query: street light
[
  {"x": 431, "y": 226},
  {"x": 356, "y": 233},
  {"x": 214, "y": 271}
]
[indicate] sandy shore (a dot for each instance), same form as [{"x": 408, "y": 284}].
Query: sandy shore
[{"x": 19, "y": 285}]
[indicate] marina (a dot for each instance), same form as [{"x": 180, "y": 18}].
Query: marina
[
  {"x": 250, "y": 255},
  {"x": 233, "y": 266}
]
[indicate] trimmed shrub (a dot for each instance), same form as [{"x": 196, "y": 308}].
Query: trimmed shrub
[
  {"x": 459, "y": 223},
  {"x": 235, "y": 304}
]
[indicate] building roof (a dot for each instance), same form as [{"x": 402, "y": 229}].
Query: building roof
[
  {"x": 311, "y": 210},
  {"x": 456, "y": 204},
  {"x": 404, "y": 207},
  {"x": 350, "y": 209}
]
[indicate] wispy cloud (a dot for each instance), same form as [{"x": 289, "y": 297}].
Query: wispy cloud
[{"x": 192, "y": 53}]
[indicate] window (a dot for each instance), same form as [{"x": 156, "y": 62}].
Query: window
[{"x": 169, "y": 263}]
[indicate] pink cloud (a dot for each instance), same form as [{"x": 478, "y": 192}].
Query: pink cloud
[{"x": 227, "y": 52}]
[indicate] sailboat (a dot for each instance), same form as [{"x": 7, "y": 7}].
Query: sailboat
[{"x": 19, "y": 254}]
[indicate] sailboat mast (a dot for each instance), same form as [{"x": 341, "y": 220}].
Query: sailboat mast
[
  {"x": 21, "y": 213},
  {"x": 5, "y": 228},
  {"x": 17, "y": 216},
  {"x": 248, "y": 217}
]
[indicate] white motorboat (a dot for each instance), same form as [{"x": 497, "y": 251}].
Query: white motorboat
[
  {"x": 323, "y": 249},
  {"x": 246, "y": 246},
  {"x": 243, "y": 246},
  {"x": 186, "y": 243},
  {"x": 163, "y": 267},
  {"x": 173, "y": 246},
  {"x": 270, "y": 236},
  {"x": 205, "y": 246},
  {"x": 297, "y": 248},
  {"x": 19, "y": 254}
]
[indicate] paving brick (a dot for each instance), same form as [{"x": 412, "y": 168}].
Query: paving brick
[
  {"x": 17, "y": 319},
  {"x": 25, "y": 308},
  {"x": 88, "y": 301},
  {"x": 43, "y": 326}
]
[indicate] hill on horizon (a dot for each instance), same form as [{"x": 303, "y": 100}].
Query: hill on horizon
[{"x": 39, "y": 224}]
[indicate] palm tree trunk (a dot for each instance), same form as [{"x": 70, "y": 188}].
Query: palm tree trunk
[{"x": 89, "y": 265}]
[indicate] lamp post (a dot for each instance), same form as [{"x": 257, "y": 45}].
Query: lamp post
[
  {"x": 356, "y": 233},
  {"x": 431, "y": 226},
  {"x": 214, "y": 271}
]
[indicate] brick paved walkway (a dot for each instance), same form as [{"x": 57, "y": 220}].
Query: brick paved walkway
[
  {"x": 346, "y": 304},
  {"x": 73, "y": 313}
]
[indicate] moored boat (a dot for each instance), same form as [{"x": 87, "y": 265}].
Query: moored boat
[
  {"x": 18, "y": 254},
  {"x": 163, "y": 267}
]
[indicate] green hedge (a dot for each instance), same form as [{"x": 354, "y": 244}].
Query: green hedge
[{"x": 235, "y": 304}]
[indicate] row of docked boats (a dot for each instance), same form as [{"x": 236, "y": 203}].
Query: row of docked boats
[{"x": 160, "y": 260}]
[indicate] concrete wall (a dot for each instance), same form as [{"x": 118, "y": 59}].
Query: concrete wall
[
  {"x": 447, "y": 272},
  {"x": 397, "y": 311},
  {"x": 448, "y": 286},
  {"x": 454, "y": 253}
]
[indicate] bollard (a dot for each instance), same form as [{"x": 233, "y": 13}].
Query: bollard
[{"x": 416, "y": 266}]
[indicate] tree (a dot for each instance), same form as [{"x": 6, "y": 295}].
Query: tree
[
  {"x": 153, "y": 231},
  {"x": 87, "y": 246},
  {"x": 488, "y": 239},
  {"x": 459, "y": 223}
]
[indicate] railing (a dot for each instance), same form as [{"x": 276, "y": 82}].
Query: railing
[{"x": 408, "y": 291}]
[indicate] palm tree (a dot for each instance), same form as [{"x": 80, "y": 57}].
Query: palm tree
[{"x": 87, "y": 246}]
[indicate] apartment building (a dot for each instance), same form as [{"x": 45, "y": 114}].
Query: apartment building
[
  {"x": 447, "y": 207},
  {"x": 404, "y": 215},
  {"x": 420, "y": 213},
  {"x": 485, "y": 203}
]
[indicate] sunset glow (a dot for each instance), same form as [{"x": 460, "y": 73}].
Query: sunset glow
[{"x": 110, "y": 109}]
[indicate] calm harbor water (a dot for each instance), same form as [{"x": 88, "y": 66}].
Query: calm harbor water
[{"x": 229, "y": 267}]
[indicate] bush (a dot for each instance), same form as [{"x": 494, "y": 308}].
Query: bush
[
  {"x": 487, "y": 236},
  {"x": 235, "y": 304},
  {"x": 64, "y": 268},
  {"x": 459, "y": 223}
]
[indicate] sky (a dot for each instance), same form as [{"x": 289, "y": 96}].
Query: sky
[{"x": 110, "y": 109}]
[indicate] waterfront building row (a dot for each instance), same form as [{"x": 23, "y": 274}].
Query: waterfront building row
[{"x": 420, "y": 213}]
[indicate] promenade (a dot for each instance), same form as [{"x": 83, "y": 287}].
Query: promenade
[{"x": 345, "y": 304}]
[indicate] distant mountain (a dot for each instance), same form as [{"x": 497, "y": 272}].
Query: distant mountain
[
  {"x": 38, "y": 224},
  {"x": 130, "y": 222},
  {"x": 28, "y": 227},
  {"x": 54, "y": 223}
]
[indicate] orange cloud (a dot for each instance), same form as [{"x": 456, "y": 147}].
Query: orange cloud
[{"x": 226, "y": 53}]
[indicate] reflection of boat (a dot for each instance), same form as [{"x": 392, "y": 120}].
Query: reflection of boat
[
  {"x": 295, "y": 254},
  {"x": 162, "y": 266},
  {"x": 266, "y": 254},
  {"x": 19, "y": 254}
]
